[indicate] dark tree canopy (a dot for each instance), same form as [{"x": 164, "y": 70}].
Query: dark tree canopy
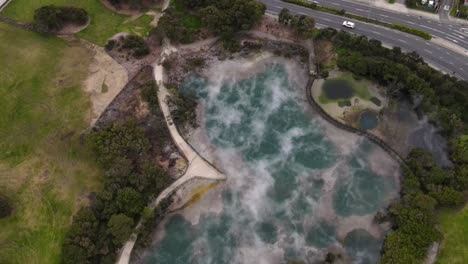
[
  {"x": 54, "y": 18},
  {"x": 120, "y": 227},
  {"x": 5, "y": 207},
  {"x": 226, "y": 17}
]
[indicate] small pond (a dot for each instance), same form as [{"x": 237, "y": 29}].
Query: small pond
[
  {"x": 338, "y": 89},
  {"x": 368, "y": 120}
]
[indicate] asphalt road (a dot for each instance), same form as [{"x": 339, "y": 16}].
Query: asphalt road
[
  {"x": 444, "y": 59},
  {"x": 450, "y": 31}
]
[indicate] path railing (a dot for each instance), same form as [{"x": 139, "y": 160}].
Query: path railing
[{"x": 387, "y": 148}]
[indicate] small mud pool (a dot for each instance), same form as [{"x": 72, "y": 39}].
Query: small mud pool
[
  {"x": 338, "y": 89},
  {"x": 368, "y": 120}
]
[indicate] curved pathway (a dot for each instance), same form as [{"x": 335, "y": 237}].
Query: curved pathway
[{"x": 198, "y": 167}]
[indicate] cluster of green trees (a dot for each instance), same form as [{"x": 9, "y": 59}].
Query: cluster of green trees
[
  {"x": 54, "y": 18},
  {"x": 304, "y": 25},
  {"x": 425, "y": 186},
  {"x": 135, "y": 44},
  {"x": 171, "y": 25},
  {"x": 221, "y": 17},
  {"x": 132, "y": 180}
]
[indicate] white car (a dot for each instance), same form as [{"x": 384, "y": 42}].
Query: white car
[{"x": 348, "y": 24}]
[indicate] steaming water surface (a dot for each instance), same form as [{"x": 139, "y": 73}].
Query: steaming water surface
[{"x": 296, "y": 186}]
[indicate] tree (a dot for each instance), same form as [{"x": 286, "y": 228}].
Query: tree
[
  {"x": 120, "y": 227},
  {"x": 460, "y": 151},
  {"x": 304, "y": 25},
  {"x": 284, "y": 16},
  {"x": 119, "y": 139},
  {"x": 130, "y": 201},
  {"x": 54, "y": 18},
  {"x": 228, "y": 17},
  {"x": 170, "y": 25}
]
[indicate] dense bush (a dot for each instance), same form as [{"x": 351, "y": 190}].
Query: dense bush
[
  {"x": 184, "y": 110},
  {"x": 226, "y": 17},
  {"x": 302, "y": 24},
  {"x": 131, "y": 181},
  {"x": 136, "y": 45},
  {"x": 5, "y": 207},
  {"x": 171, "y": 25},
  {"x": 222, "y": 17},
  {"x": 412, "y": 31},
  {"x": 54, "y": 18}
]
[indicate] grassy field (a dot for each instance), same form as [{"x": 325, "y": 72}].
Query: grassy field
[
  {"x": 454, "y": 248},
  {"x": 44, "y": 169},
  {"x": 104, "y": 22}
]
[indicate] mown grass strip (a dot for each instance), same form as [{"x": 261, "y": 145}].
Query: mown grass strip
[{"x": 342, "y": 12}]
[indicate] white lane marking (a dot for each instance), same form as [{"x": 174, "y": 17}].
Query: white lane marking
[
  {"x": 428, "y": 51},
  {"x": 402, "y": 41},
  {"x": 360, "y": 10},
  {"x": 375, "y": 32},
  {"x": 412, "y": 23},
  {"x": 383, "y": 15},
  {"x": 326, "y": 19}
]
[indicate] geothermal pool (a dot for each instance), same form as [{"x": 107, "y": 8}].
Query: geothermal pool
[{"x": 297, "y": 187}]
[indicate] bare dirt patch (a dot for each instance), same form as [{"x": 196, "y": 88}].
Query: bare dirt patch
[
  {"x": 323, "y": 52},
  {"x": 106, "y": 79},
  {"x": 270, "y": 25}
]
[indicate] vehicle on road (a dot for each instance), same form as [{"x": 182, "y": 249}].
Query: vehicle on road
[{"x": 348, "y": 24}]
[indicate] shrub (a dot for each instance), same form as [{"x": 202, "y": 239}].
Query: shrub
[
  {"x": 110, "y": 45},
  {"x": 5, "y": 207},
  {"x": 54, "y": 18},
  {"x": 412, "y": 31},
  {"x": 136, "y": 45}
]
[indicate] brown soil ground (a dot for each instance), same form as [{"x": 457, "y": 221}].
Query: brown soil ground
[
  {"x": 129, "y": 104},
  {"x": 271, "y": 26},
  {"x": 73, "y": 29},
  {"x": 105, "y": 80},
  {"x": 323, "y": 52}
]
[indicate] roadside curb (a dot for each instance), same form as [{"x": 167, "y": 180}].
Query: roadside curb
[{"x": 5, "y": 5}]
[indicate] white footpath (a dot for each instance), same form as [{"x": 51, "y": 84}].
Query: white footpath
[{"x": 198, "y": 167}]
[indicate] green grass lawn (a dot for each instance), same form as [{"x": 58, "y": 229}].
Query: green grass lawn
[
  {"x": 104, "y": 22},
  {"x": 44, "y": 169},
  {"x": 360, "y": 90},
  {"x": 454, "y": 226}
]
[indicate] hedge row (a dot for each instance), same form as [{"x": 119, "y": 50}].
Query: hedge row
[{"x": 342, "y": 12}]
